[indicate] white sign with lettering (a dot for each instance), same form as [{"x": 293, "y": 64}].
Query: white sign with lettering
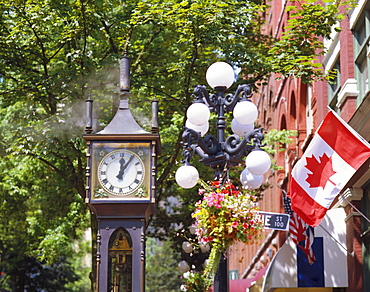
[{"x": 278, "y": 221}]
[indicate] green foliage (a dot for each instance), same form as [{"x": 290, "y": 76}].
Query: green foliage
[
  {"x": 39, "y": 224},
  {"x": 276, "y": 140},
  {"x": 198, "y": 282},
  {"x": 81, "y": 264},
  {"x": 162, "y": 273},
  {"x": 28, "y": 274},
  {"x": 297, "y": 50}
]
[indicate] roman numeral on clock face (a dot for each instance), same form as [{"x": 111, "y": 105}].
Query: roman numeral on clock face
[{"x": 121, "y": 172}]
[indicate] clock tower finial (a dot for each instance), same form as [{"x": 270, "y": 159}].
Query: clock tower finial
[
  {"x": 124, "y": 76},
  {"x": 123, "y": 122}
]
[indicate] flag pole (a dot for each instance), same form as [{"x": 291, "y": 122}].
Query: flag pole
[
  {"x": 354, "y": 207},
  {"x": 352, "y": 254}
]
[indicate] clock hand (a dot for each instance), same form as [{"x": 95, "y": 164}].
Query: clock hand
[{"x": 123, "y": 167}]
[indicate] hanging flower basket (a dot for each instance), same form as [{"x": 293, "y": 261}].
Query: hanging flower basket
[{"x": 223, "y": 216}]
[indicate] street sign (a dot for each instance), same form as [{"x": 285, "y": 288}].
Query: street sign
[{"x": 278, "y": 221}]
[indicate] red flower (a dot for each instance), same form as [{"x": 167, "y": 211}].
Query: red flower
[
  {"x": 225, "y": 191},
  {"x": 216, "y": 183},
  {"x": 206, "y": 239},
  {"x": 235, "y": 193}
]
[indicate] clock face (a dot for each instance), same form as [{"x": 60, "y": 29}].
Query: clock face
[{"x": 121, "y": 172}]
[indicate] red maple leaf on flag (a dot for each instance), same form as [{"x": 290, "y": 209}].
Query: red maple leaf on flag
[{"x": 321, "y": 169}]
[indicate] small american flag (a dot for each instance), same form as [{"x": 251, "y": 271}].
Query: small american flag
[{"x": 300, "y": 231}]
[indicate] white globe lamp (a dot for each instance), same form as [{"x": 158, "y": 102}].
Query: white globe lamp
[
  {"x": 183, "y": 267},
  {"x": 187, "y": 176},
  {"x": 203, "y": 129},
  {"x": 187, "y": 247},
  {"x": 258, "y": 162},
  {"x": 198, "y": 113},
  {"x": 240, "y": 129},
  {"x": 245, "y": 112},
  {"x": 204, "y": 246},
  {"x": 192, "y": 229},
  {"x": 220, "y": 74},
  {"x": 249, "y": 180}
]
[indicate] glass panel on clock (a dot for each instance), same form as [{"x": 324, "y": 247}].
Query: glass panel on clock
[{"x": 120, "y": 261}]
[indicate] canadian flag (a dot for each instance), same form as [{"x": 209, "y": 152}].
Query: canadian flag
[{"x": 333, "y": 156}]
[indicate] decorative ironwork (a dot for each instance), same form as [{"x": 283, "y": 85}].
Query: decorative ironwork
[{"x": 217, "y": 152}]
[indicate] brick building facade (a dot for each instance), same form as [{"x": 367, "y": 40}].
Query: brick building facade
[{"x": 290, "y": 104}]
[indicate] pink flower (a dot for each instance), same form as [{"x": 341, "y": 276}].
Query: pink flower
[
  {"x": 201, "y": 191},
  {"x": 214, "y": 199}
]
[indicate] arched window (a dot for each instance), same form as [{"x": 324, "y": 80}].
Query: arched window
[
  {"x": 280, "y": 155},
  {"x": 293, "y": 109}
]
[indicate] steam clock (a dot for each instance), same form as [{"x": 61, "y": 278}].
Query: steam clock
[{"x": 120, "y": 191}]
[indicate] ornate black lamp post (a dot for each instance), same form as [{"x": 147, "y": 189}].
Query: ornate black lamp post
[{"x": 221, "y": 153}]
